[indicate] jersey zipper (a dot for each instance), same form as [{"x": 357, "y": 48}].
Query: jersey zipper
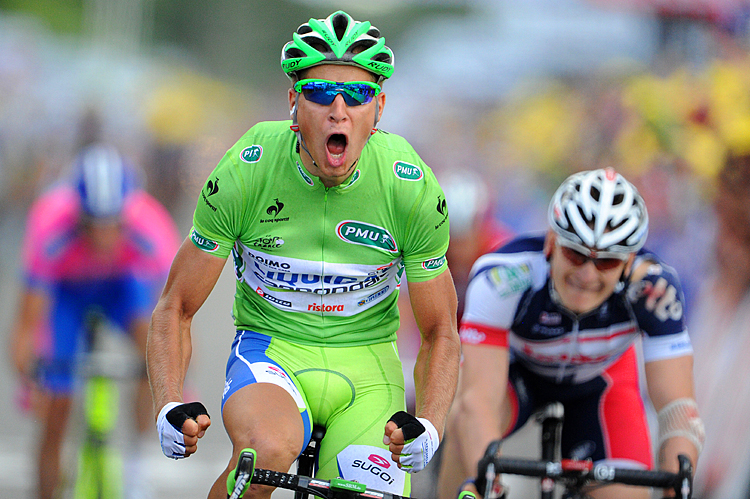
[{"x": 323, "y": 253}]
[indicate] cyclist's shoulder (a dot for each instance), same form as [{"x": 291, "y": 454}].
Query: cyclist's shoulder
[
  {"x": 521, "y": 251},
  {"x": 150, "y": 224},
  {"x": 401, "y": 171},
  {"x": 55, "y": 211},
  {"x": 266, "y": 135},
  {"x": 514, "y": 267},
  {"x": 391, "y": 142},
  {"x": 266, "y": 144},
  {"x": 656, "y": 296},
  {"x": 648, "y": 265}
]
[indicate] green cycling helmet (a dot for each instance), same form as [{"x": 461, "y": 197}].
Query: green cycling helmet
[{"x": 337, "y": 39}]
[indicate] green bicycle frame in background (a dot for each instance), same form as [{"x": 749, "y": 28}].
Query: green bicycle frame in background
[{"x": 100, "y": 463}]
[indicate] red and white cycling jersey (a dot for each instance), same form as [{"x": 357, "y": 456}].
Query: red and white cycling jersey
[{"x": 510, "y": 302}]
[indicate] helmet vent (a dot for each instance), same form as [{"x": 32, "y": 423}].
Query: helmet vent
[
  {"x": 361, "y": 46},
  {"x": 382, "y": 57},
  {"x": 304, "y": 29},
  {"x": 340, "y": 22},
  {"x": 318, "y": 45},
  {"x": 595, "y": 193},
  {"x": 374, "y": 32},
  {"x": 294, "y": 52}
]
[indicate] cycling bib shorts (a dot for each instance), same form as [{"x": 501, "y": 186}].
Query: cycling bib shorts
[{"x": 351, "y": 391}]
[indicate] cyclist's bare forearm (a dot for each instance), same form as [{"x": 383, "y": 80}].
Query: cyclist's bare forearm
[
  {"x": 191, "y": 279},
  {"x": 436, "y": 370},
  {"x": 435, "y": 379},
  {"x": 481, "y": 410},
  {"x": 168, "y": 355}
]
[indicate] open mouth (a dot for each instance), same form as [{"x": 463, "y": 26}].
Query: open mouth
[{"x": 336, "y": 149}]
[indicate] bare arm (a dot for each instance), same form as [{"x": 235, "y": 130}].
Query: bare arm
[
  {"x": 32, "y": 308},
  {"x": 436, "y": 371},
  {"x": 480, "y": 413},
  {"x": 669, "y": 380},
  {"x": 191, "y": 279}
]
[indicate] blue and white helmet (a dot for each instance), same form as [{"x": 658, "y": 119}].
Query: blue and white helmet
[
  {"x": 599, "y": 210},
  {"x": 103, "y": 180}
]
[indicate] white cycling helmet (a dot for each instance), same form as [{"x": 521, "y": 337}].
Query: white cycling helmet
[
  {"x": 103, "y": 179},
  {"x": 599, "y": 210}
]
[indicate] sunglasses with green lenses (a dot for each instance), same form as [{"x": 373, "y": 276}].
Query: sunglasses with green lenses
[{"x": 324, "y": 92}]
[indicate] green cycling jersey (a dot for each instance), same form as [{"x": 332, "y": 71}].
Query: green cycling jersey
[{"x": 317, "y": 265}]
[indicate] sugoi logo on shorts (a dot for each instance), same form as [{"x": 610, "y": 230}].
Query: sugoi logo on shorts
[
  {"x": 433, "y": 263},
  {"x": 376, "y": 470},
  {"x": 203, "y": 243},
  {"x": 366, "y": 234},
  {"x": 251, "y": 154},
  {"x": 405, "y": 171},
  {"x": 379, "y": 461}
]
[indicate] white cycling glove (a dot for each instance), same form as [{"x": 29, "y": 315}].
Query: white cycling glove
[
  {"x": 169, "y": 425},
  {"x": 421, "y": 438}
]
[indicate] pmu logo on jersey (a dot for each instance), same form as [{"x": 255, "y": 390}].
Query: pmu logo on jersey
[
  {"x": 366, "y": 234},
  {"x": 405, "y": 171},
  {"x": 433, "y": 263},
  {"x": 251, "y": 154},
  {"x": 203, "y": 243},
  {"x": 442, "y": 208}
]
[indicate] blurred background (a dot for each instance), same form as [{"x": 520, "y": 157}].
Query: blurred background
[{"x": 512, "y": 96}]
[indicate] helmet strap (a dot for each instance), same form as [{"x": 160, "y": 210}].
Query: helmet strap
[{"x": 295, "y": 128}]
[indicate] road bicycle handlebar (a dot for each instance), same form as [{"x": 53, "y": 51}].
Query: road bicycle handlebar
[
  {"x": 583, "y": 472},
  {"x": 330, "y": 489}
]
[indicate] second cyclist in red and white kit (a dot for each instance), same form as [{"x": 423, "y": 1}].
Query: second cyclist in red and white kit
[{"x": 556, "y": 318}]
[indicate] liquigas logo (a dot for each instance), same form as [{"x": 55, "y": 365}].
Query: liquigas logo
[
  {"x": 203, "y": 243},
  {"x": 367, "y": 235},
  {"x": 251, "y": 154},
  {"x": 407, "y": 172},
  {"x": 433, "y": 263}
]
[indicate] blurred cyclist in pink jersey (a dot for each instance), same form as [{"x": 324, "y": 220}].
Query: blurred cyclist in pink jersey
[{"x": 96, "y": 241}]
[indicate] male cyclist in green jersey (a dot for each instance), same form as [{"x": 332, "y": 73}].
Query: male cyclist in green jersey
[{"x": 323, "y": 215}]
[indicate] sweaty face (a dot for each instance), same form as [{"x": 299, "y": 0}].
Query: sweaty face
[
  {"x": 581, "y": 288},
  {"x": 335, "y": 134}
]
